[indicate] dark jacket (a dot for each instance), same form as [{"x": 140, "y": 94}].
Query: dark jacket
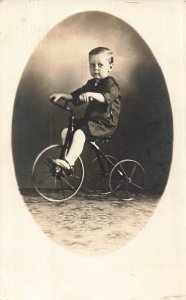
[{"x": 102, "y": 118}]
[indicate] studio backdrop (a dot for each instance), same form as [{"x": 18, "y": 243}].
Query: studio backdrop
[{"x": 60, "y": 64}]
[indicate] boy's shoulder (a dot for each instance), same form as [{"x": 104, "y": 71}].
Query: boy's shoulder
[
  {"x": 109, "y": 80},
  {"x": 105, "y": 81}
]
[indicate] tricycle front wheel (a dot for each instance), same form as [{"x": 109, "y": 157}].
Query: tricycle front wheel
[{"x": 51, "y": 181}]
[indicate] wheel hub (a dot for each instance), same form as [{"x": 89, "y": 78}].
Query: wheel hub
[{"x": 129, "y": 180}]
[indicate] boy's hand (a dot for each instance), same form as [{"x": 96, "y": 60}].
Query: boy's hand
[
  {"x": 56, "y": 97},
  {"x": 86, "y": 97},
  {"x": 90, "y": 96}
]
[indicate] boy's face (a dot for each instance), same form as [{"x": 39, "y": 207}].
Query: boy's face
[{"x": 99, "y": 65}]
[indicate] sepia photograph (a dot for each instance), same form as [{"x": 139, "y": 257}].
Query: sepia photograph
[
  {"x": 118, "y": 148},
  {"x": 92, "y": 165}
]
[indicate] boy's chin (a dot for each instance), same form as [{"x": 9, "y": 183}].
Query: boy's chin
[
  {"x": 99, "y": 77},
  {"x": 96, "y": 76}
]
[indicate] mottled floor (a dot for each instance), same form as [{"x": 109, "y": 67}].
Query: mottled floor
[{"x": 90, "y": 224}]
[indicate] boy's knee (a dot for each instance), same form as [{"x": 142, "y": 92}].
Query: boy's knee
[
  {"x": 79, "y": 134},
  {"x": 64, "y": 134}
]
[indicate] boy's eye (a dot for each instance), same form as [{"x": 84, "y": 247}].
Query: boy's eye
[{"x": 93, "y": 65}]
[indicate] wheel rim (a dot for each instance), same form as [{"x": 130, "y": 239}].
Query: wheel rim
[
  {"x": 50, "y": 181},
  {"x": 97, "y": 181},
  {"x": 127, "y": 179}
]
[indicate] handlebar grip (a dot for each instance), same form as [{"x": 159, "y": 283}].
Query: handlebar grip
[
  {"x": 63, "y": 106},
  {"x": 51, "y": 99}
]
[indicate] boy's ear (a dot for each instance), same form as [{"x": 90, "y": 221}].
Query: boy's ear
[{"x": 111, "y": 67}]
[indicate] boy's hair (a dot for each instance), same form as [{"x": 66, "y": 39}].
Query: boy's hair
[{"x": 99, "y": 50}]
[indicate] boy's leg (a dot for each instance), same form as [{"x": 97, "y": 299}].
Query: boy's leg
[
  {"x": 63, "y": 138},
  {"x": 75, "y": 149},
  {"x": 63, "y": 135}
]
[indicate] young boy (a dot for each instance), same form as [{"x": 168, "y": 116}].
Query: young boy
[{"x": 103, "y": 97}]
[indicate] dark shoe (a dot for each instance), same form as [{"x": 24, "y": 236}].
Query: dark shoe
[{"x": 64, "y": 164}]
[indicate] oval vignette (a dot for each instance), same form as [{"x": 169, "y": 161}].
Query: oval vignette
[{"x": 86, "y": 224}]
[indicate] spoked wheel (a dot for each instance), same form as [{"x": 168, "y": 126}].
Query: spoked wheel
[
  {"x": 98, "y": 180},
  {"x": 51, "y": 181},
  {"x": 127, "y": 179}
]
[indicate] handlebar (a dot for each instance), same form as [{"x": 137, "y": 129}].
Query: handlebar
[
  {"x": 66, "y": 102},
  {"x": 63, "y": 106}
]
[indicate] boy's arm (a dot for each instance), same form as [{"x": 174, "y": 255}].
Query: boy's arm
[
  {"x": 108, "y": 93},
  {"x": 58, "y": 96},
  {"x": 110, "y": 90},
  {"x": 90, "y": 96}
]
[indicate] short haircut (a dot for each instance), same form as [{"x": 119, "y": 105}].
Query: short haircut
[{"x": 99, "y": 50}]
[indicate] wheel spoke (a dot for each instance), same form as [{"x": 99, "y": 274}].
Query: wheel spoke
[
  {"x": 125, "y": 174},
  {"x": 46, "y": 172},
  {"x": 68, "y": 183},
  {"x": 133, "y": 170},
  {"x": 76, "y": 177},
  {"x": 136, "y": 185},
  {"x": 117, "y": 187},
  {"x": 47, "y": 162},
  {"x": 54, "y": 189},
  {"x": 62, "y": 189}
]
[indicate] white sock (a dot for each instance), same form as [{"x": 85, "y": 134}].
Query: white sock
[{"x": 76, "y": 147}]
